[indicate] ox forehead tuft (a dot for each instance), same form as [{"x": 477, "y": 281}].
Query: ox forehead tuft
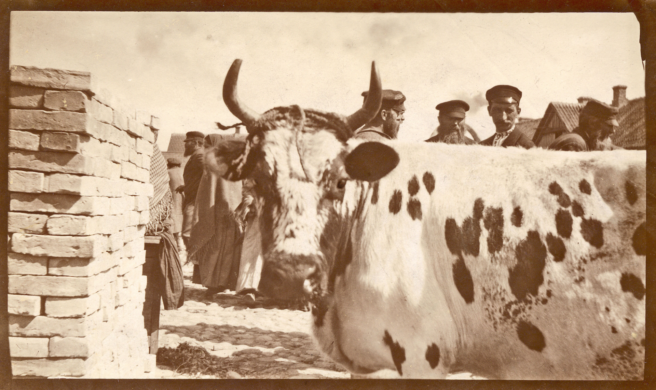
[
  {"x": 577, "y": 209},
  {"x": 563, "y": 198},
  {"x": 398, "y": 352},
  {"x": 639, "y": 240},
  {"x": 493, "y": 222},
  {"x": 463, "y": 280},
  {"x": 374, "y": 195},
  {"x": 631, "y": 192},
  {"x": 413, "y": 186},
  {"x": 632, "y": 284},
  {"x": 556, "y": 247},
  {"x": 395, "y": 202},
  {"x": 564, "y": 223},
  {"x": 414, "y": 208},
  {"x": 531, "y": 336},
  {"x": 526, "y": 277},
  {"x": 433, "y": 355},
  {"x": 429, "y": 182},
  {"x": 592, "y": 232},
  {"x": 585, "y": 187},
  {"x": 517, "y": 216}
]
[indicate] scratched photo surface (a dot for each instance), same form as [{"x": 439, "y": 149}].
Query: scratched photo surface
[{"x": 329, "y": 240}]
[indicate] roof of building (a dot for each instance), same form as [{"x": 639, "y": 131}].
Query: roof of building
[
  {"x": 631, "y": 133},
  {"x": 176, "y": 143},
  {"x": 528, "y": 126},
  {"x": 568, "y": 113}
]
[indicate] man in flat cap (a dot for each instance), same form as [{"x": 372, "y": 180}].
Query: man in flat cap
[
  {"x": 193, "y": 171},
  {"x": 451, "y": 129},
  {"x": 386, "y": 123},
  {"x": 597, "y": 122},
  {"x": 503, "y": 107}
]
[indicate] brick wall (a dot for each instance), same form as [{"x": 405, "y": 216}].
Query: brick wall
[{"x": 78, "y": 186}]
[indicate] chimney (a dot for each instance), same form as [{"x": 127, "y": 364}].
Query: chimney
[
  {"x": 619, "y": 96},
  {"x": 583, "y": 100}
]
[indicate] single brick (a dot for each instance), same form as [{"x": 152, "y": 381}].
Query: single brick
[
  {"x": 143, "y": 175},
  {"x": 42, "y": 326},
  {"x": 134, "y": 157},
  {"x": 47, "y": 120},
  {"x": 69, "y": 225},
  {"x": 50, "y": 78},
  {"x": 100, "y": 111},
  {"x": 119, "y": 205},
  {"x": 120, "y": 120},
  {"x": 69, "y": 347},
  {"x": 145, "y": 161},
  {"x": 128, "y": 170},
  {"x": 81, "y": 267},
  {"x": 108, "y": 224},
  {"x": 23, "y": 140},
  {"x": 58, "y": 286},
  {"x": 141, "y": 203},
  {"x": 66, "y": 101},
  {"x": 154, "y": 122},
  {"x": 49, "y": 367},
  {"x": 27, "y": 305},
  {"x": 144, "y": 147},
  {"x": 25, "y": 181},
  {"x": 26, "y": 223},
  {"x": 107, "y": 169},
  {"x": 60, "y": 203},
  {"x": 119, "y": 154},
  {"x": 28, "y": 347},
  {"x": 25, "y": 97},
  {"x": 72, "y": 307},
  {"x": 144, "y": 217},
  {"x": 57, "y": 246},
  {"x": 51, "y": 162}
]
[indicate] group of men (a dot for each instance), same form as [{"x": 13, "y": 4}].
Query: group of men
[{"x": 597, "y": 122}]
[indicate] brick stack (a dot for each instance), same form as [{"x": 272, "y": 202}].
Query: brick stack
[{"x": 78, "y": 183}]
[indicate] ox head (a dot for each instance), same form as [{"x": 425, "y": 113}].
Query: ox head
[{"x": 300, "y": 163}]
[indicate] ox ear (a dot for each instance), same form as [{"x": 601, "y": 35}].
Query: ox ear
[
  {"x": 231, "y": 159},
  {"x": 371, "y": 161}
]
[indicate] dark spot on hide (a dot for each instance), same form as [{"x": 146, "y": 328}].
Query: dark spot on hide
[
  {"x": 531, "y": 336},
  {"x": 564, "y": 223},
  {"x": 463, "y": 280},
  {"x": 478, "y": 209},
  {"x": 374, "y": 195},
  {"x": 548, "y": 293},
  {"x": 625, "y": 352},
  {"x": 395, "y": 202},
  {"x": 633, "y": 284},
  {"x": 640, "y": 240},
  {"x": 413, "y": 186},
  {"x": 429, "y": 182},
  {"x": 613, "y": 330},
  {"x": 433, "y": 355},
  {"x": 319, "y": 311},
  {"x": 414, "y": 208},
  {"x": 471, "y": 230},
  {"x": 556, "y": 247},
  {"x": 526, "y": 276},
  {"x": 398, "y": 352},
  {"x": 628, "y": 321},
  {"x": 493, "y": 222},
  {"x": 592, "y": 232},
  {"x": 516, "y": 217},
  {"x": 453, "y": 236},
  {"x": 563, "y": 198},
  {"x": 631, "y": 192},
  {"x": 577, "y": 209},
  {"x": 584, "y": 186}
]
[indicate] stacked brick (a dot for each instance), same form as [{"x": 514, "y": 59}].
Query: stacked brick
[{"x": 78, "y": 187}]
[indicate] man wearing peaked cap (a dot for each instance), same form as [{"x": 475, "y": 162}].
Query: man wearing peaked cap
[
  {"x": 503, "y": 107},
  {"x": 193, "y": 171},
  {"x": 451, "y": 118},
  {"x": 597, "y": 122},
  {"x": 385, "y": 125}
]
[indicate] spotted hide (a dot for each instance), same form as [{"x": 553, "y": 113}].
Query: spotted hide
[{"x": 526, "y": 264}]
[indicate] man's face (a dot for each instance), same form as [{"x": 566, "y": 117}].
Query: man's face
[
  {"x": 392, "y": 120},
  {"x": 599, "y": 130},
  {"x": 190, "y": 147},
  {"x": 449, "y": 124},
  {"x": 504, "y": 115}
]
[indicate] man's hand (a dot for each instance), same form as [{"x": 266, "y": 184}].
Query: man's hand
[{"x": 180, "y": 188}]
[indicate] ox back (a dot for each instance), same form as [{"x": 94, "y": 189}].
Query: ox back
[{"x": 508, "y": 263}]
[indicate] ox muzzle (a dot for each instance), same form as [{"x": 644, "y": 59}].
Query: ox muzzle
[{"x": 291, "y": 277}]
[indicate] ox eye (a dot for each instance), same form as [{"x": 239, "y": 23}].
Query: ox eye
[{"x": 341, "y": 184}]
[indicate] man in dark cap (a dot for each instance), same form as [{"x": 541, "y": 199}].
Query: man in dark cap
[
  {"x": 597, "y": 122},
  {"x": 192, "y": 174},
  {"x": 451, "y": 129},
  {"x": 503, "y": 107},
  {"x": 386, "y": 123}
]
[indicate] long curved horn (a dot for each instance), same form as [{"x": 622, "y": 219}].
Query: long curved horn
[
  {"x": 371, "y": 105},
  {"x": 231, "y": 99}
]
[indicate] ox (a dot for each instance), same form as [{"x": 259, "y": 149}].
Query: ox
[{"x": 520, "y": 264}]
